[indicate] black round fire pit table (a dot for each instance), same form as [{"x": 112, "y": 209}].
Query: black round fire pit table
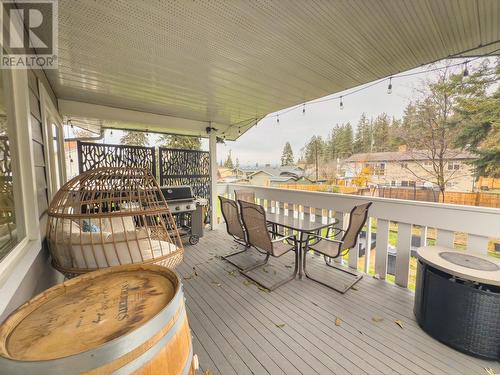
[{"x": 457, "y": 299}]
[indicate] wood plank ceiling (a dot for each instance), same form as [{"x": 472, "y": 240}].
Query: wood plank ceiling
[{"x": 229, "y": 61}]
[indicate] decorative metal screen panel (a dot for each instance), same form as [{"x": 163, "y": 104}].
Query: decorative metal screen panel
[
  {"x": 186, "y": 167},
  {"x": 95, "y": 155}
]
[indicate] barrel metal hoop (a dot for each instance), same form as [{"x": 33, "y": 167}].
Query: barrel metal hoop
[
  {"x": 154, "y": 350},
  {"x": 99, "y": 356}
]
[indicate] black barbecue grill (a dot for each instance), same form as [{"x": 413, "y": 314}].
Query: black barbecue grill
[{"x": 187, "y": 211}]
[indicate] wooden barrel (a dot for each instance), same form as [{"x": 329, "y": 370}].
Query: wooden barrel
[{"x": 127, "y": 319}]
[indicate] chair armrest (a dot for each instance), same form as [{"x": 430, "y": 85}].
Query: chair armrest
[
  {"x": 334, "y": 230},
  {"x": 285, "y": 238},
  {"x": 324, "y": 238}
]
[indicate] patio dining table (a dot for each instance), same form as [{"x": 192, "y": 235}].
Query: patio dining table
[{"x": 303, "y": 227}]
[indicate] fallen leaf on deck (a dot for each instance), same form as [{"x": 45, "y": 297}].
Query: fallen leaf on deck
[
  {"x": 207, "y": 372},
  {"x": 354, "y": 287},
  {"x": 489, "y": 371},
  {"x": 338, "y": 322},
  {"x": 216, "y": 283},
  {"x": 287, "y": 266},
  {"x": 187, "y": 277},
  {"x": 314, "y": 303},
  {"x": 265, "y": 270},
  {"x": 280, "y": 325},
  {"x": 399, "y": 323},
  {"x": 377, "y": 319},
  {"x": 247, "y": 282},
  {"x": 232, "y": 273}
]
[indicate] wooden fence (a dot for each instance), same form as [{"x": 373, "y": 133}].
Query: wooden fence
[
  {"x": 483, "y": 199},
  {"x": 488, "y": 183}
]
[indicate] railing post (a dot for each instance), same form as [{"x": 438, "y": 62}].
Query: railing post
[
  {"x": 477, "y": 244},
  {"x": 368, "y": 247},
  {"x": 381, "y": 249},
  {"x": 403, "y": 254},
  {"x": 445, "y": 238}
]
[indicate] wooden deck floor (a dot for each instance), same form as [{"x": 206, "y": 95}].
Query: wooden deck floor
[{"x": 241, "y": 329}]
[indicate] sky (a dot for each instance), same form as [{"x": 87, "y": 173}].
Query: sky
[{"x": 263, "y": 144}]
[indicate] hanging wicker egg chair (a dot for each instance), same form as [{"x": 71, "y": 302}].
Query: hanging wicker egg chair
[{"x": 108, "y": 217}]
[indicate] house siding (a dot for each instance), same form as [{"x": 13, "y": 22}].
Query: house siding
[
  {"x": 38, "y": 272},
  {"x": 462, "y": 179}
]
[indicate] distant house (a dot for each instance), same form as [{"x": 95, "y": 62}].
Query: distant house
[
  {"x": 231, "y": 175},
  {"x": 273, "y": 176},
  {"x": 407, "y": 169}
]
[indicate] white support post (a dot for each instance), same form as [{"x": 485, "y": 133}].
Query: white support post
[{"x": 212, "y": 147}]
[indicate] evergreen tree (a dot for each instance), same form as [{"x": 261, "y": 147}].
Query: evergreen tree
[
  {"x": 381, "y": 135},
  {"x": 131, "y": 138},
  {"x": 479, "y": 123},
  {"x": 287, "y": 155},
  {"x": 229, "y": 161},
  {"x": 180, "y": 141},
  {"x": 363, "y": 138}
]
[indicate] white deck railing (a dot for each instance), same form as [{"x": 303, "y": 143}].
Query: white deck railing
[{"x": 479, "y": 224}]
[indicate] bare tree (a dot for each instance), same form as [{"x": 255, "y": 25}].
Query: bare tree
[{"x": 430, "y": 131}]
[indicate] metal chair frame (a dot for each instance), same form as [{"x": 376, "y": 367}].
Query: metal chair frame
[
  {"x": 341, "y": 252},
  {"x": 294, "y": 248},
  {"x": 238, "y": 240}
]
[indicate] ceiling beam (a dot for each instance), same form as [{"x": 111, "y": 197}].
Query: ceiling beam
[{"x": 119, "y": 118}]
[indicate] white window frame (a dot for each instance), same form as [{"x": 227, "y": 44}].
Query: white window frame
[
  {"x": 51, "y": 116},
  {"x": 15, "y": 265}
]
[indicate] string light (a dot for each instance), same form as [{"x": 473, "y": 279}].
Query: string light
[
  {"x": 278, "y": 118},
  {"x": 70, "y": 123},
  {"x": 367, "y": 86},
  {"x": 304, "y": 108},
  {"x": 239, "y": 130},
  {"x": 389, "y": 88}
]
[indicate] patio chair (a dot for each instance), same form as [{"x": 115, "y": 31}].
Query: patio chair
[
  {"x": 234, "y": 227},
  {"x": 259, "y": 237},
  {"x": 244, "y": 195},
  {"x": 332, "y": 248}
]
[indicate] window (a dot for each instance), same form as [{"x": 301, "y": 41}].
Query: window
[
  {"x": 56, "y": 157},
  {"x": 412, "y": 183},
  {"x": 428, "y": 163},
  {"x": 404, "y": 183},
  {"x": 393, "y": 183},
  {"x": 379, "y": 169},
  {"x": 10, "y": 235},
  {"x": 453, "y": 165},
  {"x": 404, "y": 165}
]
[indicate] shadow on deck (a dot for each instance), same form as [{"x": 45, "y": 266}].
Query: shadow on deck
[{"x": 241, "y": 329}]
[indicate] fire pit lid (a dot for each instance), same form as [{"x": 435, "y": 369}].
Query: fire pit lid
[
  {"x": 467, "y": 265},
  {"x": 469, "y": 261}
]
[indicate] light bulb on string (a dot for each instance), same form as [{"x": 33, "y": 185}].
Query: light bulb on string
[
  {"x": 341, "y": 103},
  {"x": 278, "y": 118},
  {"x": 466, "y": 71},
  {"x": 304, "y": 108},
  {"x": 239, "y": 131},
  {"x": 389, "y": 88},
  {"x": 70, "y": 123}
]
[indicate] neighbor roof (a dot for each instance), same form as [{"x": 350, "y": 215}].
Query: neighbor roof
[{"x": 405, "y": 156}]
